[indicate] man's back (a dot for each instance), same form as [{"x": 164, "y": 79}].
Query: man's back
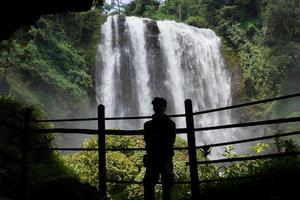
[{"x": 159, "y": 135}]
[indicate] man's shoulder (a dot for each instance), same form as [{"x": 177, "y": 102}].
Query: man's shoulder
[
  {"x": 170, "y": 121},
  {"x": 148, "y": 123}
]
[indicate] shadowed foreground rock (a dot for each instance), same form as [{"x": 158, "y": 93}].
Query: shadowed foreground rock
[
  {"x": 64, "y": 188},
  {"x": 283, "y": 186}
]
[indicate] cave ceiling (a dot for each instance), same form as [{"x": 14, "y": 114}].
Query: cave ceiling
[{"x": 15, "y": 14}]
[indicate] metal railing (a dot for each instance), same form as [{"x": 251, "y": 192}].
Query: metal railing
[{"x": 190, "y": 130}]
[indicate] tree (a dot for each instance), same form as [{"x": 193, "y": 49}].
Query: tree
[{"x": 282, "y": 20}]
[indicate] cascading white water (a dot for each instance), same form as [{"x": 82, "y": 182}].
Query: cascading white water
[{"x": 139, "y": 59}]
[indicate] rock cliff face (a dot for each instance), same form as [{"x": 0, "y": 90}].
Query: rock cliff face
[{"x": 19, "y": 13}]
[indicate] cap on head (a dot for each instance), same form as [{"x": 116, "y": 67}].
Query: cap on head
[{"x": 158, "y": 100}]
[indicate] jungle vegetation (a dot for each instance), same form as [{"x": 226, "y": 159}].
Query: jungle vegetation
[
  {"x": 53, "y": 61},
  {"x": 261, "y": 37}
]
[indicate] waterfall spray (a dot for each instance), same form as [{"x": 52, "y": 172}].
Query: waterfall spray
[{"x": 139, "y": 59}]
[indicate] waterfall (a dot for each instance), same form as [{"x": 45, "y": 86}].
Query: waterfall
[{"x": 139, "y": 59}]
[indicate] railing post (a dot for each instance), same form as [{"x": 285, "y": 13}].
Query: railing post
[
  {"x": 192, "y": 149},
  {"x": 24, "y": 161},
  {"x": 101, "y": 152}
]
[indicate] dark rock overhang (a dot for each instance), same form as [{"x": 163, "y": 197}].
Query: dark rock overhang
[{"x": 15, "y": 14}]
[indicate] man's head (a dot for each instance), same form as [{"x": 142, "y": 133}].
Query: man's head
[{"x": 159, "y": 105}]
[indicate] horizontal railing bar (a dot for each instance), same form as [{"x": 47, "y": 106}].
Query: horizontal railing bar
[
  {"x": 125, "y": 149},
  {"x": 124, "y": 182},
  {"x": 62, "y": 149},
  {"x": 240, "y": 178},
  {"x": 94, "y": 132},
  {"x": 65, "y": 130},
  {"x": 248, "y": 104},
  {"x": 124, "y": 132},
  {"x": 95, "y": 149},
  {"x": 276, "y": 155},
  {"x": 95, "y": 118},
  {"x": 257, "y": 123},
  {"x": 127, "y": 118},
  {"x": 141, "y": 149},
  {"x": 140, "y": 182},
  {"x": 64, "y": 120},
  {"x": 179, "y": 131},
  {"x": 180, "y": 148},
  {"x": 141, "y": 117},
  {"x": 137, "y": 132},
  {"x": 176, "y": 115},
  {"x": 249, "y": 140}
]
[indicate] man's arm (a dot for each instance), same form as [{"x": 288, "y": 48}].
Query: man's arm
[
  {"x": 173, "y": 132},
  {"x": 171, "y": 136},
  {"x": 147, "y": 137}
]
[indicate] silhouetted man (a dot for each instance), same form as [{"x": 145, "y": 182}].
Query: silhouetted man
[{"x": 159, "y": 136}]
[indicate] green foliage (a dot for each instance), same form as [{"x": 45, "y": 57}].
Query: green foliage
[
  {"x": 281, "y": 20},
  {"x": 12, "y": 113},
  {"x": 42, "y": 165},
  {"x": 53, "y": 62},
  {"x": 259, "y": 167},
  {"x": 262, "y": 36},
  {"x": 62, "y": 60},
  {"x": 262, "y": 78},
  {"x": 286, "y": 145},
  {"x": 134, "y": 8},
  {"x": 48, "y": 168},
  {"x": 197, "y": 21},
  {"x": 259, "y": 148},
  {"x": 265, "y": 37},
  {"x": 281, "y": 167},
  {"x": 124, "y": 165},
  {"x": 141, "y": 8}
]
